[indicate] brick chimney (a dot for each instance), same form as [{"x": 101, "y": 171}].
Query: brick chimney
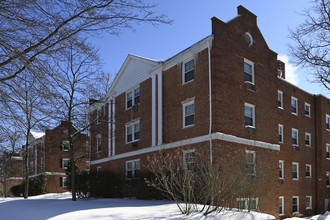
[{"x": 280, "y": 69}]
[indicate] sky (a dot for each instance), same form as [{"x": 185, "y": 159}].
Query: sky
[{"x": 192, "y": 22}]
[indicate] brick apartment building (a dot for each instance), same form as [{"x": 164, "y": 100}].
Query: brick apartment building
[
  {"x": 227, "y": 91},
  {"x": 49, "y": 156}
]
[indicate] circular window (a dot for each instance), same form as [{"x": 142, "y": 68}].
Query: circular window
[{"x": 248, "y": 38}]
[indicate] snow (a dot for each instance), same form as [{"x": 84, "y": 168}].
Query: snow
[
  {"x": 59, "y": 206},
  {"x": 37, "y": 135}
]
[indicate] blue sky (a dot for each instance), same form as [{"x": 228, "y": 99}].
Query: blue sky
[{"x": 192, "y": 22}]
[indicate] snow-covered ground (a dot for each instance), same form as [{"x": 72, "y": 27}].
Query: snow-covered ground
[{"x": 60, "y": 206}]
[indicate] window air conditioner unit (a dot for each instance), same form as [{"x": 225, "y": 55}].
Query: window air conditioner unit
[
  {"x": 135, "y": 108},
  {"x": 251, "y": 130},
  {"x": 280, "y": 111},
  {"x": 250, "y": 86},
  {"x": 296, "y": 148},
  {"x": 281, "y": 181},
  {"x": 135, "y": 144}
]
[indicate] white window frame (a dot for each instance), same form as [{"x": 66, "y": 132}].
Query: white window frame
[
  {"x": 133, "y": 96},
  {"x": 185, "y": 103},
  {"x": 133, "y": 162},
  {"x": 65, "y": 161},
  {"x": 98, "y": 171},
  {"x": 98, "y": 143},
  {"x": 252, "y": 69},
  {"x": 64, "y": 180},
  {"x": 65, "y": 143},
  {"x": 310, "y": 204},
  {"x": 248, "y": 105},
  {"x": 310, "y": 171},
  {"x": 184, "y": 70},
  {"x": 327, "y": 151},
  {"x": 246, "y": 202},
  {"x": 327, "y": 179},
  {"x": 281, "y": 133},
  {"x": 131, "y": 125},
  {"x": 281, "y": 212},
  {"x": 297, "y": 132},
  {"x": 310, "y": 139},
  {"x": 282, "y": 170},
  {"x": 295, "y": 197},
  {"x": 186, "y": 163},
  {"x": 254, "y": 161},
  {"x": 309, "y": 109},
  {"x": 296, "y": 101},
  {"x": 327, "y": 122},
  {"x": 280, "y": 95},
  {"x": 98, "y": 115},
  {"x": 296, "y": 164}
]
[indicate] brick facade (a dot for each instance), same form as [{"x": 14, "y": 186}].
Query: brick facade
[{"x": 164, "y": 94}]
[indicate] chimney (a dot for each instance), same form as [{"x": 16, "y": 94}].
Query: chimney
[{"x": 280, "y": 69}]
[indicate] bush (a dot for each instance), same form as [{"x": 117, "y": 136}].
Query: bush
[{"x": 37, "y": 186}]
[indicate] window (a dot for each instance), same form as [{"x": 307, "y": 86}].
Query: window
[
  {"x": 280, "y": 134},
  {"x": 295, "y": 204},
  {"x": 281, "y": 169},
  {"x": 188, "y": 113},
  {"x": 281, "y": 205},
  {"x": 133, "y": 131},
  {"x": 64, "y": 162},
  {"x": 249, "y": 114},
  {"x": 308, "y": 171},
  {"x": 327, "y": 149},
  {"x": 295, "y": 137},
  {"x": 189, "y": 159},
  {"x": 280, "y": 99},
  {"x": 294, "y": 105},
  {"x": 248, "y": 71},
  {"x": 132, "y": 97},
  {"x": 247, "y": 203},
  {"x": 307, "y": 109},
  {"x": 308, "y": 202},
  {"x": 87, "y": 165},
  {"x": 65, "y": 146},
  {"x": 99, "y": 116},
  {"x": 98, "y": 172},
  {"x": 132, "y": 169},
  {"x": 188, "y": 71},
  {"x": 295, "y": 171},
  {"x": 308, "y": 139},
  {"x": 63, "y": 182},
  {"x": 250, "y": 157},
  {"x": 98, "y": 143},
  {"x": 327, "y": 122},
  {"x": 328, "y": 179}
]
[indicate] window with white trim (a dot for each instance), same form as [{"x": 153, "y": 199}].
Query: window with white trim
[
  {"x": 132, "y": 169},
  {"x": 249, "y": 115},
  {"x": 295, "y": 171},
  {"x": 133, "y": 131},
  {"x": 281, "y": 205},
  {"x": 294, "y": 105},
  {"x": 188, "y": 71},
  {"x": 281, "y": 169},
  {"x": 64, "y": 163},
  {"x": 295, "y": 204},
  {"x": 308, "y": 171},
  {"x": 132, "y": 97},
  {"x": 280, "y": 99},
  {"x": 63, "y": 182},
  {"x": 188, "y": 113},
  {"x": 308, "y": 139},
  {"x": 280, "y": 134},
  {"x": 248, "y": 71},
  {"x": 307, "y": 109},
  {"x": 98, "y": 143},
  {"x": 189, "y": 159},
  {"x": 250, "y": 162},
  {"x": 328, "y": 179},
  {"x": 65, "y": 145},
  {"x": 295, "y": 135},
  {"x": 98, "y": 115},
  {"x": 98, "y": 172},
  {"x": 327, "y": 150},
  {"x": 247, "y": 203},
  {"x": 309, "y": 202},
  {"x": 327, "y": 122}
]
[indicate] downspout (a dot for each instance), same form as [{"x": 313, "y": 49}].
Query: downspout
[
  {"x": 210, "y": 103},
  {"x": 316, "y": 165}
]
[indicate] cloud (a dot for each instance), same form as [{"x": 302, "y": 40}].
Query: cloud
[{"x": 290, "y": 70}]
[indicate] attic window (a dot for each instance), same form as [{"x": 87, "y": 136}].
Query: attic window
[{"x": 248, "y": 39}]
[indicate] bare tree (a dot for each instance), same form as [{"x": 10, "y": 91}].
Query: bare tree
[
  {"x": 32, "y": 30},
  {"x": 312, "y": 41}
]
